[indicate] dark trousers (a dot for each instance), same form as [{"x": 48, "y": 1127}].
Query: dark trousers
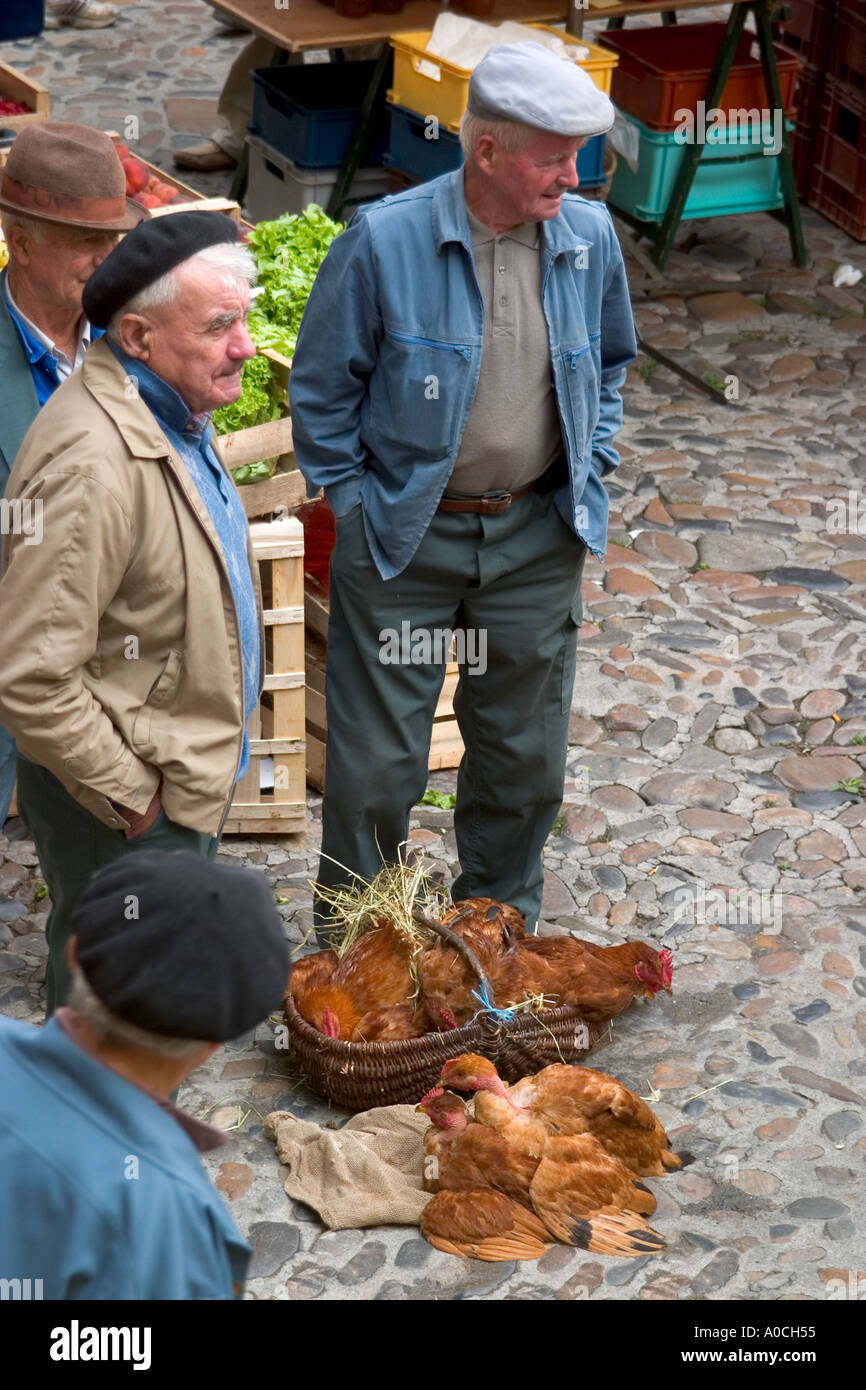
[
  {"x": 515, "y": 578},
  {"x": 72, "y": 844}
]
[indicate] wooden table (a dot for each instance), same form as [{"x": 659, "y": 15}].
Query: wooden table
[{"x": 310, "y": 24}]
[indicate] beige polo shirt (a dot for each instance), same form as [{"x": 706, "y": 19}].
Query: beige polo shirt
[{"x": 513, "y": 432}]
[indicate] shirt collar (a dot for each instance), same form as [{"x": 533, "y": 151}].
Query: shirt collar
[
  {"x": 167, "y": 405},
  {"x": 204, "y": 1136},
  {"x": 526, "y": 233},
  {"x": 450, "y": 221},
  {"x": 39, "y": 343}
]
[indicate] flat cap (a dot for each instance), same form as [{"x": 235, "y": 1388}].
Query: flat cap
[
  {"x": 181, "y": 946},
  {"x": 526, "y": 82},
  {"x": 148, "y": 252}
]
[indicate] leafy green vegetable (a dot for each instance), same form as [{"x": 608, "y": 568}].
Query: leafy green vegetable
[
  {"x": 288, "y": 253},
  {"x": 260, "y": 400},
  {"x": 250, "y": 473},
  {"x": 446, "y": 801}
]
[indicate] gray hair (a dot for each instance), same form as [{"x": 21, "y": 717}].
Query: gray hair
[
  {"x": 108, "y": 1027},
  {"x": 513, "y": 136},
  {"x": 232, "y": 263},
  {"x": 30, "y": 225}
]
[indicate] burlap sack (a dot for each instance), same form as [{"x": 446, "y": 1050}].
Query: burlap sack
[{"x": 366, "y": 1174}]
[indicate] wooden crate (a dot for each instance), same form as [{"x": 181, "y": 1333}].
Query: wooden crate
[
  {"x": 18, "y": 87},
  {"x": 446, "y": 745},
  {"x": 277, "y": 726}
]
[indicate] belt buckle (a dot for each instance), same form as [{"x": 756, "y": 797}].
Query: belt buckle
[{"x": 496, "y": 502}]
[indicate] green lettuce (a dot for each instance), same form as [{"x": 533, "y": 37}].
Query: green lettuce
[{"x": 288, "y": 253}]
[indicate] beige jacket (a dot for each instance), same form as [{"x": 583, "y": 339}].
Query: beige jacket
[{"x": 120, "y": 657}]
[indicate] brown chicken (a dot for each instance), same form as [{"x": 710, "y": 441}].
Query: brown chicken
[
  {"x": 375, "y": 971},
  {"x": 567, "y": 1101},
  {"x": 336, "y": 995},
  {"x": 404, "y": 1021},
  {"x": 489, "y": 929},
  {"x": 311, "y": 972},
  {"x": 599, "y": 980},
  {"x": 500, "y": 924},
  {"x": 579, "y": 1193}
]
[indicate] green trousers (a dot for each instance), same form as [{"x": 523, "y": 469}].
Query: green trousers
[
  {"x": 72, "y": 844},
  {"x": 512, "y": 582}
]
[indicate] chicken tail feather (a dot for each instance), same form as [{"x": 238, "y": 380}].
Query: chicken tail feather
[
  {"x": 616, "y": 1233},
  {"x": 673, "y": 1161}
]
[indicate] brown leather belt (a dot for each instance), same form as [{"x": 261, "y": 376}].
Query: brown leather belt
[{"x": 487, "y": 506}]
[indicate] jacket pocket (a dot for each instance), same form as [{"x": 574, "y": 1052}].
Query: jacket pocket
[
  {"x": 580, "y": 385},
  {"x": 161, "y": 694},
  {"x": 417, "y": 391}
]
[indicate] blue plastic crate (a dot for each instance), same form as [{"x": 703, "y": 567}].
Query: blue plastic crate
[
  {"x": 21, "y": 19},
  {"x": 308, "y": 112},
  {"x": 421, "y": 148},
  {"x": 733, "y": 175}
]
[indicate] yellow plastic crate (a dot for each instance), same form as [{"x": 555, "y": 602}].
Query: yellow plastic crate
[{"x": 432, "y": 86}]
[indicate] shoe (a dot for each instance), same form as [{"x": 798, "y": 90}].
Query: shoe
[
  {"x": 206, "y": 157},
  {"x": 79, "y": 14}
]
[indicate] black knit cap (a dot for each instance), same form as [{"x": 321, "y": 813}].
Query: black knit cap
[
  {"x": 181, "y": 946},
  {"x": 149, "y": 251}
]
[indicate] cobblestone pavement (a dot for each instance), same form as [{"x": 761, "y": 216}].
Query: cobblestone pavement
[{"x": 715, "y": 802}]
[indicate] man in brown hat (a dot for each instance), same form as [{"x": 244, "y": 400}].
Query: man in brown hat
[{"x": 63, "y": 205}]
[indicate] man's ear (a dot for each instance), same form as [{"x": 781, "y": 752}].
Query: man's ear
[
  {"x": 484, "y": 153},
  {"x": 135, "y": 336},
  {"x": 19, "y": 241},
  {"x": 71, "y": 958}
]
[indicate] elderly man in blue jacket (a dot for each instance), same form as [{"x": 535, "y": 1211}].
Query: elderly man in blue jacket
[
  {"x": 104, "y": 1195},
  {"x": 456, "y": 391}
]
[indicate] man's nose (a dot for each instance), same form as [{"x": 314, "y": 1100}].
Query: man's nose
[
  {"x": 568, "y": 178},
  {"x": 241, "y": 346}
]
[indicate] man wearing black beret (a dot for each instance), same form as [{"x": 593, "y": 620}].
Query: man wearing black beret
[
  {"x": 130, "y": 638},
  {"x": 104, "y": 1195}
]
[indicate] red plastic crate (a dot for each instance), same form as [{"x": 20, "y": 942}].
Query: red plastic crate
[
  {"x": 848, "y": 51},
  {"x": 839, "y": 177},
  {"x": 665, "y": 69},
  {"x": 808, "y": 31},
  {"x": 809, "y": 99}
]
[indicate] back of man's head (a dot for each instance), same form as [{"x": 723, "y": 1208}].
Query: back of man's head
[{"x": 174, "y": 951}]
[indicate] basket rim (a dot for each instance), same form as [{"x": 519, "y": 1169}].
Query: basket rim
[{"x": 564, "y": 1013}]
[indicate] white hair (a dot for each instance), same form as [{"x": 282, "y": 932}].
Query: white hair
[
  {"x": 31, "y": 226},
  {"x": 512, "y": 136},
  {"x": 232, "y": 264},
  {"x": 108, "y": 1027}
]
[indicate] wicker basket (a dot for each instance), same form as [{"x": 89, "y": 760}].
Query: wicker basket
[{"x": 362, "y": 1075}]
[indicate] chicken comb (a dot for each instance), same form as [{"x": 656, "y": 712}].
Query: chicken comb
[
  {"x": 666, "y": 961},
  {"x": 432, "y": 1095}
]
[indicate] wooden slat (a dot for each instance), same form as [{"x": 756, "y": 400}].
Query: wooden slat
[
  {"x": 275, "y": 617},
  {"x": 283, "y": 490},
  {"x": 17, "y": 86},
  {"x": 286, "y": 680},
  {"x": 316, "y": 614},
  {"x": 280, "y": 550},
  {"x": 267, "y": 747},
  {"x": 199, "y": 204},
  {"x": 256, "y": 443}
]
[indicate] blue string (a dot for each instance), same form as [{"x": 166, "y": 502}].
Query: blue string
[{"x": 488, "y": 1007}]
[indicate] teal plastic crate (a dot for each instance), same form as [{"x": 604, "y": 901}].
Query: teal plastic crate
[{"x": 734, "y": 175}]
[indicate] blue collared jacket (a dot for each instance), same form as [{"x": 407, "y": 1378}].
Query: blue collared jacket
[
  {"x": 389, "y": 355},
  {"x": 104, "y": 1196}
]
